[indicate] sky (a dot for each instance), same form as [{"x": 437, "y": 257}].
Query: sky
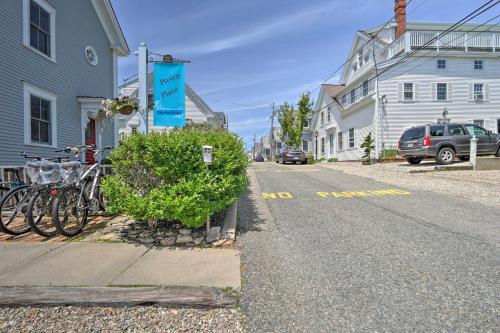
[{"x": 246, "y": 55}]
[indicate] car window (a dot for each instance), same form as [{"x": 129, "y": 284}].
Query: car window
[
  {"x": 456, "y": 130},
  {"x": 437, "y": 130},
  {"x": 476, "y": 130},
  {"x": 413, "y": 134}
]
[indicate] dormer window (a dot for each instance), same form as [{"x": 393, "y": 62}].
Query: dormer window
[{"x": 360, "y": 58}]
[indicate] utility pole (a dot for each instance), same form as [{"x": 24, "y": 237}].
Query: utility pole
[
  {"x": 254, "y": 139},
  {"x": 271, "y": 135},
  {"x": 143, "y": 82}
]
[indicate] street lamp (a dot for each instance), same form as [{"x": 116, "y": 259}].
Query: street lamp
[{"x": 316, "y": 134}]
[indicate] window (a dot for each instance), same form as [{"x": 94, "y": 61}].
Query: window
[
  {"x": 441, "y": 64},
  {"x": 476, "y": 130},
  {"x": 442, "y": 91},
  {"x": 322, "y": 117},
  {"x": 340, "y": 143},
  {"x": 413, "y": 134},
  {"x": 360, "y": 58},
  {"x": 365, "y": 88},
  {"x": 455, "y": 130},
  {"x": 332, "y": 143},
  {"x": 355, "y": 67},
  {"x": 343, "y": 100},
  {"x": 437, "y": 130},
  {"x": 329, "y": 115},
  {"x": 305, "y": 145},
  {"x": 322, "y": 145},
  {"x": 351, "y": 138},
  {"x": 478, "y": 92},
  {"x": 39, "y": 117},
  {"x": 479, "y": 122},
  {"x": 306, "y": 124},
  {"x": 408, "y": 92},
  {"x": 39, "y": 27},
  {"x": 353, "y": 96},
  {"x": 367, "y": 56},
  {"x": 478, "y": 64}
]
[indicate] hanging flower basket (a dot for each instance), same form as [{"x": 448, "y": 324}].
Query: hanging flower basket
[{"x": 122, "y": 105}]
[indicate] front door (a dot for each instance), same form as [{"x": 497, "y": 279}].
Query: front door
[{"x": 90, "y": 139}]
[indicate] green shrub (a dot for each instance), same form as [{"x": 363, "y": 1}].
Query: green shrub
[
  {"x": 332, "y": 159},
  {"x": 161, "y": 176},
  {"x": 310, "y": 159}
]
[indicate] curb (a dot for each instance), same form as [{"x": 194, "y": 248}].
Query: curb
[
  {"x": 230, "y": 220},
  {"x": 195, "y": 297},
  {"x": 442, "y": 168}
]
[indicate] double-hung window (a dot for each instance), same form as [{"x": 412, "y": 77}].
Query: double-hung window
[
  {"x": 329, "y": 115},
  {"x": 39, "y": 117},
  {"x": 39, "y": 27},
  {"x": 408, "y": 92},
  {"x": 340, "y": 143},
  {"x": 365, "y": 88},
  {"x": 322, "y": 145},
  {"x": 478, "y": 92},
  {"x": 322, "y": 117},
  {"x": 442, "y": 91},
  {"x": 353, "y": 96},
  {"x": 441, "y": 64},
  {"x": 351, "y": 138}
]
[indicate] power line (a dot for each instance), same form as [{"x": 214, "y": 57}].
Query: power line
[{"x": 373, "y": 38}]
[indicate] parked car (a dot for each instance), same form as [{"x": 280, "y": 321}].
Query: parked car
[
  {"x": 291, "y": 154},
  {"x": 259, "y": 158},
  {"x": 444, "y": 142}
]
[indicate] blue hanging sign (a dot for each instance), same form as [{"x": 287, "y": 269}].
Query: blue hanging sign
[{"x": 169, "y": 95}]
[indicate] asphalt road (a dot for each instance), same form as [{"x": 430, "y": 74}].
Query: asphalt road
[{"x": 358, "y": 260}]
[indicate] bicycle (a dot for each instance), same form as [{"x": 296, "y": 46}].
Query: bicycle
[
  {"x": 73, "y": 203},
  {"x": 15, "y": 205}
]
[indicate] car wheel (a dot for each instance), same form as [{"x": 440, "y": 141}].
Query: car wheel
[
  {"x": 414, "y": 160},
  {"x": 464, "y": 158},
  {"x": 445, "y": 156}
]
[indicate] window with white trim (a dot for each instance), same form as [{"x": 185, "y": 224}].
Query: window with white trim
[
  {"x": 353, "y": 96},
  {"x": 408, "y": 92},
  {"x": 305, "y": 145},
  {"x": 322, "y": 115},
  {"x": 441, "y": 64},
  {"x": 478, "y": 64},
  {"x": 39, "y": 27},
  {"x": 329, "y": 115},
  {"x": 478, "y": 91},
  {"x": 39, "y": 117},
  {"x": 351, "y": 138},
  {"x": 340, "y": 143},
  {"x": 365, "y": 88},
  {"x": 442, "y": 91},
  {"x": 306, "y": 123},
  {"x": 322, "y": 146}
]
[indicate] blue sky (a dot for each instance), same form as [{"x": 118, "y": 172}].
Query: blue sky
[{"x": 247, "y": 54}]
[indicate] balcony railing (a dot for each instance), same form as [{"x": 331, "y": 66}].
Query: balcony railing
[
  {"x": 357, "y": 94},
  {"x": 460, "y": 41}
]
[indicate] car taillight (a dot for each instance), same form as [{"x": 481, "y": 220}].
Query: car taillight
[{"x": 427, "y": 141}]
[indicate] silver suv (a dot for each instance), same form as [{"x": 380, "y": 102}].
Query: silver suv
[{"x": 444, "y": 142}]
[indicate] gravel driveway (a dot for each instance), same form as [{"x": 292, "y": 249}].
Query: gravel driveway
[
  {"x": 475, "y": 186},
  {"x": 118, "y": 319}
]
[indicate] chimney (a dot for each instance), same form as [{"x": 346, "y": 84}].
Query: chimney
[{"x": 400, "y": 15}]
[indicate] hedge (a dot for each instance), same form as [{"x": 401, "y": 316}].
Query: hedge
[{"x": 161, "y": 176}]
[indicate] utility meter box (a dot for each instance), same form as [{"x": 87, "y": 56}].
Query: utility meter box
[{"x": 207, "y": 154}]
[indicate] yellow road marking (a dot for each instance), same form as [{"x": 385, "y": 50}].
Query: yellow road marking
[
  {"x": 279, "y": 195},
  {"x": 362, "y": 193}
]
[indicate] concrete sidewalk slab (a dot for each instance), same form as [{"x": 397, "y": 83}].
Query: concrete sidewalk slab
[
  {"x": 18, "y": 254},
  {"x": 191, "y": 267},
  {"x": 74, "y": 264}
]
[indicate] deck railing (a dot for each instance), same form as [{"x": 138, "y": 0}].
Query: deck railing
[{"x": 474, "y": 41}]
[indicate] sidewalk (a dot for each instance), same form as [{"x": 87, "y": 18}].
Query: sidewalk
[{"x": 79, "y": 264}]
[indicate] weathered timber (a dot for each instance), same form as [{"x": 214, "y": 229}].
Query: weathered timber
[{"x": 117, "y": 296}]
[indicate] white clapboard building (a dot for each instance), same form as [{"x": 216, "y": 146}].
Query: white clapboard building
[{"x": 385, "y": 89}]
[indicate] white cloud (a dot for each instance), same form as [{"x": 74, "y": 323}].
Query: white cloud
[{"x": 277, "y": 26}]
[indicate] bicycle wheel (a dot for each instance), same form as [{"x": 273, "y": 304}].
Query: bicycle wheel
[
  {"x": 13, "y": 207},
  {"x": 98, "y": 203},
  {"x": 39, "y": 213},
  {"x": 70, "y": 211},
  {"x": 3, "y": 191}
]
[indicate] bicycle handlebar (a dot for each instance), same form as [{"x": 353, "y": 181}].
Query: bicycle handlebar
[{"x": 39, "y": 158}]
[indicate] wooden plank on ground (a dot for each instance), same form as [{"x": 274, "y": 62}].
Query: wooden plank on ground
[{"x": 117, "y": 296}]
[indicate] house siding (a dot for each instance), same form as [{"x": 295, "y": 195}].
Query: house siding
[
  {"x": 77, "y": 26},
  {"x": 459, "y": 74}
]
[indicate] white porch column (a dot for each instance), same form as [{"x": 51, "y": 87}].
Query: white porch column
[{"x": 143, "y": 82}]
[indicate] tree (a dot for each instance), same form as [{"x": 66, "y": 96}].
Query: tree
[
  {"x": 368, "y": 146},
  {"x": 292, "y": 121}
]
